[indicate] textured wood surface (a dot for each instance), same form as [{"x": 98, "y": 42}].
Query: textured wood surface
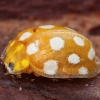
[{"x": 30, "y": 87}]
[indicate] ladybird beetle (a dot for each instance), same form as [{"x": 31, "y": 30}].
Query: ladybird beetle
[{"x": 51, "y": 51}]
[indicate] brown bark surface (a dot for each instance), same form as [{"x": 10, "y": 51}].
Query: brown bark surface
[{"x": 82, "y": 16}]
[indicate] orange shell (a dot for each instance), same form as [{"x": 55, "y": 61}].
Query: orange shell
[{"x": 51, "y": 51}]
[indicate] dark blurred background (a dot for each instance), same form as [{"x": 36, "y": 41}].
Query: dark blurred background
[{"x": 45, "y": 9}]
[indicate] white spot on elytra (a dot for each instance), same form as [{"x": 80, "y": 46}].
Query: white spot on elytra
[
  {"x": 69, "y": 28},
  {"x": 50, "y": 67},
  {"x": 91, "y": 53},
  {"x": 56, "y": 43},
  {"x": 25, "y": 36},
  {"x": 46, "y": 26},
  {"x": 73, "y": 59},
  {"x": 79, "y": 41},
  {"x": 32, "y": 48},
  {"x": 83, "y": 70}
]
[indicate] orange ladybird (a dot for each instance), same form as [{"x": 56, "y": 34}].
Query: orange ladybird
[{"x": 51, "y": 51}]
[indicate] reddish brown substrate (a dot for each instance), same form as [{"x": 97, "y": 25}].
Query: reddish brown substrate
[{"x": 30, "y": 87}]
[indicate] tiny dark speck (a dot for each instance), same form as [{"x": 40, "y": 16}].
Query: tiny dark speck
[{"x": 34, "y": 29}]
